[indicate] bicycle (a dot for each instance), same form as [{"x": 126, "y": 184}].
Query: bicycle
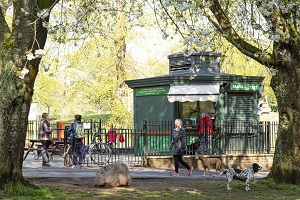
[{"x": 96, "y": 152}]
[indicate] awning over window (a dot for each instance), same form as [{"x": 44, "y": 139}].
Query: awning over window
[{"x": 193, "y": 93}]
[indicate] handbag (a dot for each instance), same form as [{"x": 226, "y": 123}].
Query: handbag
[
  {"x": 183, "y": 150},
  {"x": 182, "y": 147},
  {"x": 121, "y": 138}
]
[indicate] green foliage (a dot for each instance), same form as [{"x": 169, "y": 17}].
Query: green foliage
[
  {"x": 87, "y": 80},
  {"x": 90, "y": 79},
  {"x": 234, "y": 62},
  {"x": 240, "y": 36},
  {"x": 86, "y": 118}
]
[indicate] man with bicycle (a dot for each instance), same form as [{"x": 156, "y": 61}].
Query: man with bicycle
[{"x": 75, "y": 133}]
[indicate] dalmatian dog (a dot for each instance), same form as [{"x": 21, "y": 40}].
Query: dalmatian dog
[{"x": 246, "y": 175}]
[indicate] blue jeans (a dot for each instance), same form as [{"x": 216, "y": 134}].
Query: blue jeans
[{"x": 76, "y": 146}]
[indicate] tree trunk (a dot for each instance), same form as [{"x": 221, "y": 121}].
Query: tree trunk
[
  {"x": 16, "y": 95},
  {"x": 13, "y": 123},
  {"x": 286, "y": 163},
  {"x": 118, "y": 106},
  {"x": 16, "y": 90}
]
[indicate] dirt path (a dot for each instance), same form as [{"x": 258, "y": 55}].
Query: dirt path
[{"x": 137, "y": 183}]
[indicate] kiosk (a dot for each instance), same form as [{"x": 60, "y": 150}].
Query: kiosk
[{"x": 195, "y": 88}]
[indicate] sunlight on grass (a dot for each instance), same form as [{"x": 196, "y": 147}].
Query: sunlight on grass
[
  {"x": 20, "y": 190},
  {"x": 208, "y": 190}
]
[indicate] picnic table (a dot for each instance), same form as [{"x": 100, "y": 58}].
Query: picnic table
[{"x": 57, "y": 145}]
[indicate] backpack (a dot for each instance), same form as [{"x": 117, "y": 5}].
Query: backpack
[{"x": 79, "y": 133}]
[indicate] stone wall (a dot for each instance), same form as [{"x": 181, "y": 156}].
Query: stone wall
[{"x": 237, "y": 161}]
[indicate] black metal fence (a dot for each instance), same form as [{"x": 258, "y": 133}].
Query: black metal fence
[
  {"x": 245, "y": 137},
  {"x": 153, "y": 139},
  {"x": 224, "y": 137},
  {"x": 127, "y": 151}
]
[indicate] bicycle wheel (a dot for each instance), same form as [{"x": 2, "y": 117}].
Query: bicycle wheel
[
  {"x": 87, "y": 154},
  {"x": 100, "y": 154}
]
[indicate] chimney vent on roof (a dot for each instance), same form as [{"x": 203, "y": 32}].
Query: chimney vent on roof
[{"x": 198, "y": 63}]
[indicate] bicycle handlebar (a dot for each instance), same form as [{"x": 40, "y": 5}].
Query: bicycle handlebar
[{"x": 96, "y": 134}]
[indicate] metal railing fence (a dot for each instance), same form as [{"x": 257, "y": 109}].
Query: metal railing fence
[
  {"x": 245, "y": 137},
  {"x": 228, "y": 137},
  {"x": 224, "y": 137},
  {"x": 128, "y": 151}
]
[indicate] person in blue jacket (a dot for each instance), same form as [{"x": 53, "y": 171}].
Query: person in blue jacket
[{"x": 76, "y": 143}]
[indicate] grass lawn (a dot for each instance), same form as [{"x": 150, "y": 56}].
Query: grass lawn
[{"x": 189, "y": 189}]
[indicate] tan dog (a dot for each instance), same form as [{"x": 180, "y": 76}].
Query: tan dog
[{"x": 209, "y": 163}]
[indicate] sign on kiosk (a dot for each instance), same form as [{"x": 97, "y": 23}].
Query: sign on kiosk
[
  {"x": 244, "y": 86},
  {"x": 149, "y": 91}
]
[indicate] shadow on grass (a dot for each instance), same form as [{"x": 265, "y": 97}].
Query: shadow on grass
[{"x": 185, "y": 189}]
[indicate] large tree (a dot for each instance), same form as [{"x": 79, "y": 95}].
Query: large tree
[
  {"x": 98, "y": 40},
  {"x": 21, "y": 44},
  {"x": 266, "y": 31},
  {"x": 22, "y": 41}
]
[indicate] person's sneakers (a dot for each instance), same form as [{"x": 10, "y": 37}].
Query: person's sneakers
[
  {"x": 190, "y": 171},
  {"x": 44, "y": 164},
  {"x": 78, "y": 166},
  {"x": 74, "y": 167},
  {"x": 174, "y": 174}
]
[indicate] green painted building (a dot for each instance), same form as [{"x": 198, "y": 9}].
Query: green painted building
[{"x": 194, "y": 88}]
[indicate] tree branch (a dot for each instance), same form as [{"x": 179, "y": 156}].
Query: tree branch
[
  {"x": 225, "y": 28},
  {"x": 289, "y": 24},
  {"x": 27, "y": 26},
  {"x": 171, "y": 18},
  {"x": 283, "y": 23}
]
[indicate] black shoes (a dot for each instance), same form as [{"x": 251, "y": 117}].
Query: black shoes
[{"x": 45, "y": 164}]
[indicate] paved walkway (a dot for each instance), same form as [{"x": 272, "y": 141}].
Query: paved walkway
[{"x": 33, "y": 169}]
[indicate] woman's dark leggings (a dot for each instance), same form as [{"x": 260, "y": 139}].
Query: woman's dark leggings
[
  {"x": 45, "y": 146},
  {"x": 177, "y": 160}
]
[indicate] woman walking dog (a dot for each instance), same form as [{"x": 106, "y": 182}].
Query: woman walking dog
[{"x": 178, "y": 145}]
